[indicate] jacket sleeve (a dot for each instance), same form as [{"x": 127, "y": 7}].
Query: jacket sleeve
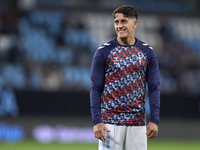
[
  {"x": 153, "y": 80},
  {"x": 97, "y": 76}
]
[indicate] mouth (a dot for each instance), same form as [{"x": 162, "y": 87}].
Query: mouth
[{"x": 121, "y": 31}]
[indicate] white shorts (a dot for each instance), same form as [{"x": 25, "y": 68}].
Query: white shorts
[{"x": 124, "y": 138}]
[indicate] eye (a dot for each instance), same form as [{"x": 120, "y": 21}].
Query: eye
[
  {"x": 124, "y": 21},
  {"x": 116, "y": 21}
]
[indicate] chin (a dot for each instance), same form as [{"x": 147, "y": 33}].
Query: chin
[{"x": 122, "y": 37}]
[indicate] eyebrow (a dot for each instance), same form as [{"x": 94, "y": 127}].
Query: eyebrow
[{"x": 124, "y": 19}]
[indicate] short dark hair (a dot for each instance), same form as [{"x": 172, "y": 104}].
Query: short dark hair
[{"x": 127, "y": 11}]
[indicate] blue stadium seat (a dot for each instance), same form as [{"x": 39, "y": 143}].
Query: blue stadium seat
[{"x": 14, "y": 75}]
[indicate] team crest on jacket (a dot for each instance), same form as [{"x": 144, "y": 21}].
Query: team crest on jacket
[
  {"x": 117, "y": 62},
  {"x": 139, "y": 57}
]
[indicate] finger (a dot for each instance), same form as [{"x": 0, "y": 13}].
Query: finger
[
  {"x": 152, "y": 134},
  {"x": 156, "y": 133},
  {"x": 98, "y": 134},
  {"x": 103, "y": 138},
  {"x": 149, "y": 134},
  {"x": 106, "y": 129}
]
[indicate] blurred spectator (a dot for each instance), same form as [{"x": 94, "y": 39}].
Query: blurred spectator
[{"x": 52, "y": 79}]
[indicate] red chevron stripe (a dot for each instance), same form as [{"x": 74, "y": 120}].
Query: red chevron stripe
[
  {"x": 124, "y": 72},
  {"x": 124, "y": 90},
  {"x": 136, "y": 120},
  {"x": 124, "y": 108},
  {"x": 123, "y": 54}
]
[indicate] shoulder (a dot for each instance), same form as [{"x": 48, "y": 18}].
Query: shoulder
[
  {"x": 142, "y": 45},
  {"x": 105, "y": 49},
  {"x": 108, "y": 45},
  {"x": 146, "y": 48}
]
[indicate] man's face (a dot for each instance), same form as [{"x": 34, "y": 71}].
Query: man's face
[{"x": 124, "y": 26}]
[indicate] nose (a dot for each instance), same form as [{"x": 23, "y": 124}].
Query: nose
[{"x": 119, "y": 25}]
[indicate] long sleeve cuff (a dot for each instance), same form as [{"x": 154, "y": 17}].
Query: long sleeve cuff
[{"x": 154, "y": 121}]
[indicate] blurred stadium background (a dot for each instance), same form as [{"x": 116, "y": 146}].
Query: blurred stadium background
[{"x": 46, "y": 48}]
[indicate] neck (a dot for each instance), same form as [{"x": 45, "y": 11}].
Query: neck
[{"x": 126, "y": 41}]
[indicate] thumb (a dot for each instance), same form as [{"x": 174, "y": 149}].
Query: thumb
[
  {"x": 147, "y": 132},
  {"x": 106, "y": 129}
]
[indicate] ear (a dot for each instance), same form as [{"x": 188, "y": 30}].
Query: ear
[{"x": 135, "y": 24}]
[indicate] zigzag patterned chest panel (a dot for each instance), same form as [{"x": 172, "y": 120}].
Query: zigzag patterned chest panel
[{"x": 125, "y": 84}]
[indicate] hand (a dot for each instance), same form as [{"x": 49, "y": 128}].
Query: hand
[
  {"x": 98, "y": 131},
  {"x": 152, "y": 130}
]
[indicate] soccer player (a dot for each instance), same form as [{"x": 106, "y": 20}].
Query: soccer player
[{"x": 120, "y": 70}]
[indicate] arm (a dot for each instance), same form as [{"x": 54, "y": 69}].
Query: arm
[
  {"x": 97, "y": 84},
  {"x": 153, "y": 80}
]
